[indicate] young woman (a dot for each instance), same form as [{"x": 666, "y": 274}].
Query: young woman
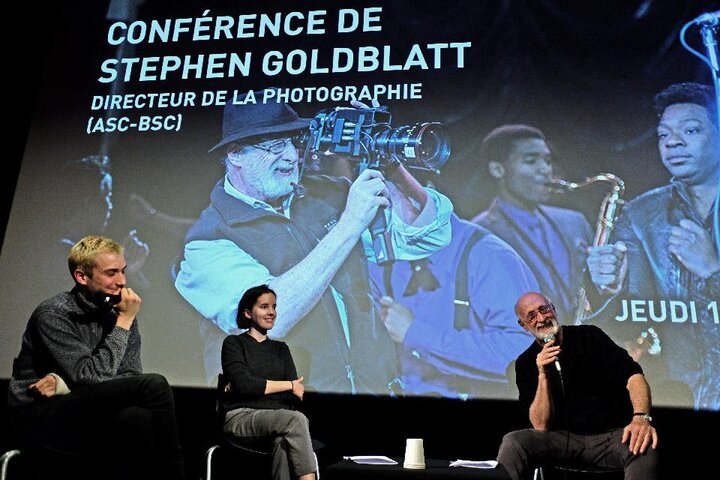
[{"x": 263, "y": 388}]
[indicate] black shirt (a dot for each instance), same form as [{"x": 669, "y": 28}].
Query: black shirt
[
  {"x": 247, "y": 364},
  {"x": 593, "y": 395}
]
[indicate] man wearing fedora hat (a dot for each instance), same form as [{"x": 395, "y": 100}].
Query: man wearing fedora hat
[{"x": 309, "y": 243}]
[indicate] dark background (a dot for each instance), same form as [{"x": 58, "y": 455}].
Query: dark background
[{"x": 451, "y": 429}]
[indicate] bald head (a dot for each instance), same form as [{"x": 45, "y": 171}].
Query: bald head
[
  {"x": 529, "y": 299},
  {"x": 536, "y": 314}
]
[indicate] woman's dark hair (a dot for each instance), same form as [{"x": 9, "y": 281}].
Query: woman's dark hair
[{"x": 248, "y": 301}]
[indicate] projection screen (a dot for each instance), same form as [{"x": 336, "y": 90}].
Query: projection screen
[{"x": 132, "y": 101}]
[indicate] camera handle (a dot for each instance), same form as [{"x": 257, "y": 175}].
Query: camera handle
[{"x": 381, "y": 243}]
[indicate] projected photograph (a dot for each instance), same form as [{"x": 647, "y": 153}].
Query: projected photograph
[{"x": 398, "y": 172}]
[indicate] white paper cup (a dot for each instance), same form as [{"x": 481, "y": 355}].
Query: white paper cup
[{"x": 414, "y": 454}]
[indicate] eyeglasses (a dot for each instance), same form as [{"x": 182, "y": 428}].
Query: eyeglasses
[
  {"x": 543, "y": 310},
  {"x": 275, "y": 147}
]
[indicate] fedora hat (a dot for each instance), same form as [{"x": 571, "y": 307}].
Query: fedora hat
[{"x": 257, "y": 118}]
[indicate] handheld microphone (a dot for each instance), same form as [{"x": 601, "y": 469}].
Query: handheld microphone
[
  {"x": 103, "y": 298},
  {"x": 710, "y": 19},
  {"x": 549, "y": 338},
  {"x": 109, "y": 299},
  {"x": 298, "y": 189}
]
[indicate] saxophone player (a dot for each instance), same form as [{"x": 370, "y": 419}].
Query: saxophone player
[
  {"x": 662, "y": 265},
  {"x": 553, "y": 241}
]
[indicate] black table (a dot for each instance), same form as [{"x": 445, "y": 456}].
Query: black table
[{"x": 434, "y": 469}]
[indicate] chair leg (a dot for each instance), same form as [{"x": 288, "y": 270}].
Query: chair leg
[
  {"x": 539, "y": 474},
  {"x": 208, "y": 461},
  {"x": 4, "y": 462}
]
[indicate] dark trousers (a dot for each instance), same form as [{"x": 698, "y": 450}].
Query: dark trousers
[
  {"x": 126, "y": 427},
  {"x": 523, "y": 450}
]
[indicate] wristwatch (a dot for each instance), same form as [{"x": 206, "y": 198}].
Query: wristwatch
[{"x": 646, "y": 416}]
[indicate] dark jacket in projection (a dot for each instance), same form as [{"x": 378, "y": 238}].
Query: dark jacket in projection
[
  {"x": 317, "y": 342},
  {"x": 681, "y": 306}
]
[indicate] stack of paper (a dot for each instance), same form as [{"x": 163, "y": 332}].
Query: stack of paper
[
  {"x": 474, "y": 463},
  {"x": 372, "y": 460}
]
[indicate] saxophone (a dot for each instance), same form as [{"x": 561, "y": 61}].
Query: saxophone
[{"x": 607, "y": 217}]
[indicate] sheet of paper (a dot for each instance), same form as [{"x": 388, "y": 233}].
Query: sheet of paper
[
  {"x": 474, "y": 463},
  {"x": 372, "y": 460}
]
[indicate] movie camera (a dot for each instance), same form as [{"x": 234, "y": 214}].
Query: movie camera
[{"x": 365, "y": 134}]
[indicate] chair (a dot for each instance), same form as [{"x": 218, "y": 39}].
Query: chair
[
  {"x": 38, "y": 462},
  {"x": 257, "y": 459},
  {"x": 257, "y": 453},
  {"x": 34, "y": 459},
  {"x": 576, "y": 471},
  {"x": 5, "y": 462}
]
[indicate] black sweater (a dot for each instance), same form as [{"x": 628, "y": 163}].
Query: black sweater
[
  {"x": 247, "y": 364},
  {"x": 595, "y": 372}
]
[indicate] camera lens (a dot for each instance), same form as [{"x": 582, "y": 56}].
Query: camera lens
[
  {"x": 433, "y": 146},
  {"x": 423, "y": 145},
  {"x": 366, "y": 133}
]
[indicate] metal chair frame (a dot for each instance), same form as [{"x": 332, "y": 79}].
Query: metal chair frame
[
  {"x": 5, "y": 462},
  {"x": 228, "y": 443},
  {"x": 256, "y": 451},
  {"x": 227, "y": 440}
]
